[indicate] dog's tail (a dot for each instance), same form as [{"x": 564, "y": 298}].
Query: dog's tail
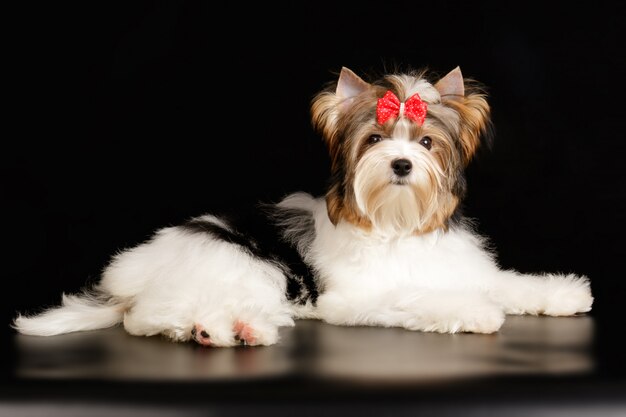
[{"x": 90, "y": 310}]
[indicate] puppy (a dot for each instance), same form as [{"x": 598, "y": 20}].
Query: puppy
[{"x": 386, "y": 246}]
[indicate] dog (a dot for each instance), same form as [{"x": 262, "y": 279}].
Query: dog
[{"x": 386, "y": 246}]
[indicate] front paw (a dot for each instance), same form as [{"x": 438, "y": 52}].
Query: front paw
[
  {"x": 567, "y": 295},
  {"x": 475, "y": 318}
]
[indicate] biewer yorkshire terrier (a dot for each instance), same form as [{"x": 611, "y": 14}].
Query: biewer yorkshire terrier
[{"x": 386, "y": 246}]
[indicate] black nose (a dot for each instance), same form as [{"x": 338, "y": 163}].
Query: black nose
[{"x": 401, "y": 167}]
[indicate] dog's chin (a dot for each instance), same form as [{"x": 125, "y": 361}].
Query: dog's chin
[{"x": 398, "y": 208}]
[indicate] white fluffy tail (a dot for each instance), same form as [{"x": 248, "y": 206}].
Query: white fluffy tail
[{"x": 88, "y": 311}]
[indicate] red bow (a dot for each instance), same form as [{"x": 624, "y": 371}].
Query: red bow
[{"x": 390, "y": 107}]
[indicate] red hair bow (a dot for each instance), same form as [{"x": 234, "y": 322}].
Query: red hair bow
[{"x": 389, "y": 107}]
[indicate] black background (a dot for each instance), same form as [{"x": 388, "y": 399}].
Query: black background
[{"x": 123, "y": 118}]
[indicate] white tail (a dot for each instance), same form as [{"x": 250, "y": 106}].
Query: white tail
[{"x": 87, "y": 311}]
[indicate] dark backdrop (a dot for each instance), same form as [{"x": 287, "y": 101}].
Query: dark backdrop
[{"x": 126, "y": 118}]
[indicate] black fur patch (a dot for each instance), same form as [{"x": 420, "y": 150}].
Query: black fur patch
[
  {"x": 262, "y": 239},
  {"x": 222, "y": 233}
]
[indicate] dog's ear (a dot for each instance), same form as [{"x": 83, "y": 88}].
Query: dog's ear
[
  {"x": 470, "y": 103},
  {"x": 328, "y": 105},
  {"x": 326, "y": 110},
  {"x": 451, "y": 87},
  {"x": 349, "y": 86}
]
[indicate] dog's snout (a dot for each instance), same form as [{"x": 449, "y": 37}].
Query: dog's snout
[{"x": 401, "y": 167}]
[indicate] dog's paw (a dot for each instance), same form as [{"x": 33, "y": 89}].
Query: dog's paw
[
  {"x": 485, "y": 319},
  {"x": 477, "y": 318},
  {"x": 239, "y": 334},
  {"x": 567, "y": 295},
  {"x": 243, "y": 334},
  {"x": 214, "y": 332},
  {"x": 200, "y": 335},
  {"x": 254, "y": 332}
]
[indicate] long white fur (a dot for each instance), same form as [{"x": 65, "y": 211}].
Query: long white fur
[
  {"x": 76, "y": 313},
  {"x": 440, "y": 281}
]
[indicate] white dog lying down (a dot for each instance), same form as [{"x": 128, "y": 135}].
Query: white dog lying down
[{"x": 386, "y": 246}]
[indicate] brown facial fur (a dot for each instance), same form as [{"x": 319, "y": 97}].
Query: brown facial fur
[
  {"x": 346, "y": 128},
  {"x": 475, "y": 119}
]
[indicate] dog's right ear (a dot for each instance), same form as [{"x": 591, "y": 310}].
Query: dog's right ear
[{"x": 328, "y": 105}]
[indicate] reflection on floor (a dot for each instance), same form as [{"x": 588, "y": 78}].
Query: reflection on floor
[{"x": 524, "y": 346}]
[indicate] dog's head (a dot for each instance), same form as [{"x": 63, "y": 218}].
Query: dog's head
[{"x": 398, "y": 148}]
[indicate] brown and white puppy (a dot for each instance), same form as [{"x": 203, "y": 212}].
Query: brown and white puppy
[{"x": 386, "y": 245}]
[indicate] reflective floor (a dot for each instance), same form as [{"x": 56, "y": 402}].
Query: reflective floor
[
  {"x": 539, "y": 366},
  {"x": 537, "y": 346}
]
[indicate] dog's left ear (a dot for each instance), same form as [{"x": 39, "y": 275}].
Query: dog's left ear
[
  {"x": 328, "y": 105},
  {"x": 471, "y": 105}
]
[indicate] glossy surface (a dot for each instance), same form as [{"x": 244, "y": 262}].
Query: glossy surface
[
  {"x": 545, "y": 346},
  {"x": 535, "y": 366}
]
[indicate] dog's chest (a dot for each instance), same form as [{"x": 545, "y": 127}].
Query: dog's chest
[{"x": 346, "y": 260}]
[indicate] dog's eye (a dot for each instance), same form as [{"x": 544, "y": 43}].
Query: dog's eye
[
  {"x": 426, "y": 142},
  {"x": 374, "y": 139}
]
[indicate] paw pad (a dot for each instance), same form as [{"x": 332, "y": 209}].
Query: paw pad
[
  {"x": 244, "y": 333},
  {"x": 200, "y": 335}
]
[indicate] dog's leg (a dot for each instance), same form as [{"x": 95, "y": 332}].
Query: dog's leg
[
  {"x": 248, "y": 311},
  {"x": 414, "y": 309},
  {"x": 550, "y": 294},
  {"x": 200, "y": 283},
  {"x": 143, "y": 320},
  {"x": 228, "y": 324}
]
